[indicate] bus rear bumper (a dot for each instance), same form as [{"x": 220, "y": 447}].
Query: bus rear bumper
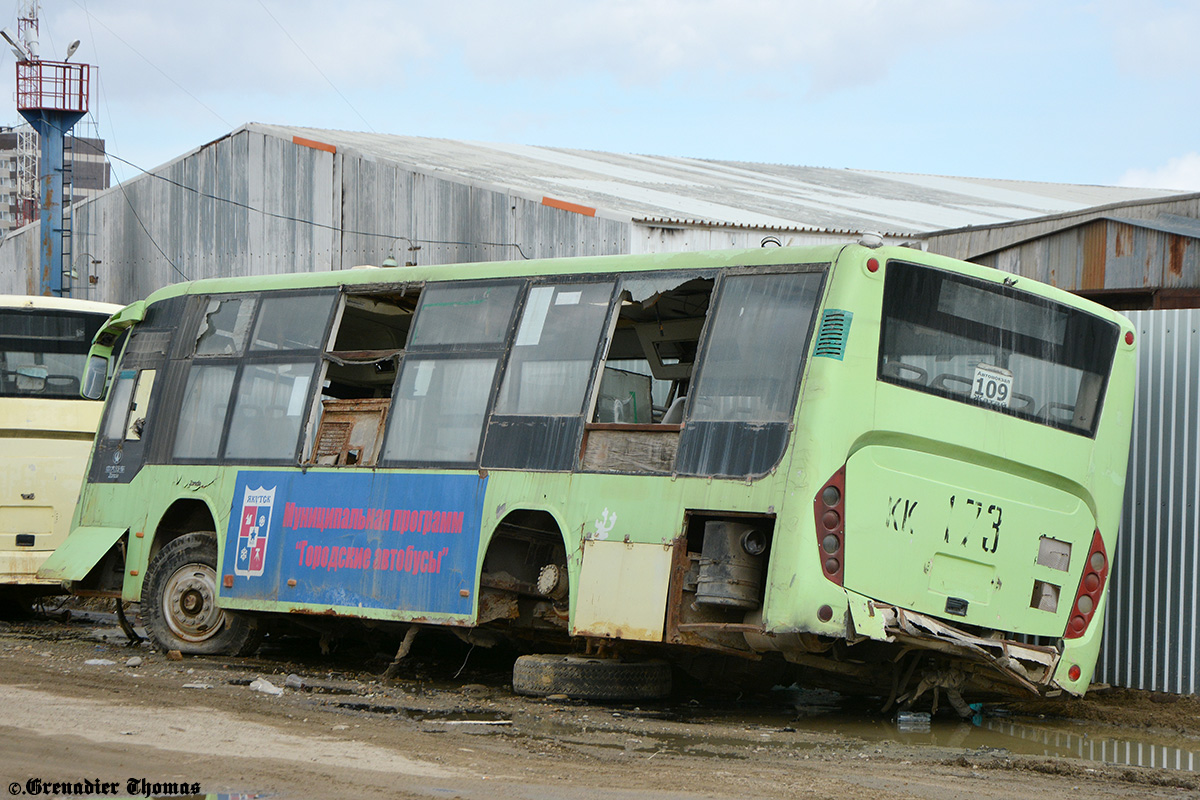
[
  {"x": 1029, "y": 666},
  {"x": 20, "y": 568}
]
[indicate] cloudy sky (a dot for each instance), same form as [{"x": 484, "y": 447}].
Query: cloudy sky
[{"x": 1094, "y": 92}]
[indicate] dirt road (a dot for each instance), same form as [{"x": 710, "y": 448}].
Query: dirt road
[{"x": 347, "y": 733}]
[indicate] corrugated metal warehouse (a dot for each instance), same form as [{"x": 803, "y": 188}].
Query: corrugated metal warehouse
[
  {"x": 1130, "y": 255},
  {"x": 268, "y": 199}
]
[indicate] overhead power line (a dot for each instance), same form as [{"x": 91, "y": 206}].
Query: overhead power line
[{"x": 300, "y": 220}]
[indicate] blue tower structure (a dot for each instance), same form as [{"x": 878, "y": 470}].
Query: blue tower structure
[{"x": 52, "y": 96}]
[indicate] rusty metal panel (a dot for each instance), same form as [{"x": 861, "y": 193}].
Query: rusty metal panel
[
  {"x": 623, "y": 590},
  {"x": 1181, "y": 264},
  {"x": 1128, "y": 265},
  {"x": 1151, "y": 640},
  {"x": 1095, "y": 255}
]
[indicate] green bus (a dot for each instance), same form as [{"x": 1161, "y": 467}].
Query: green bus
[{"x": 892, "y": 467}]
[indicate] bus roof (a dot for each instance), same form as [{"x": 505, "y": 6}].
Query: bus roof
[
  {"x": 57, "y": 303},
  {"x": 367, "y": 275}
]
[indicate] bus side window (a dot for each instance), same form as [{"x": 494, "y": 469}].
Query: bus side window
[
  {"x": 642, "y": 397},
  {"x": 141, "y": 403},
  {"x": 119, "y": 411},
  {"x": 447, "y": 373},
  {"x": 128, "y": 406},
  {"x": 538, "y": 419},
  {"x": 360, "y": 370}
]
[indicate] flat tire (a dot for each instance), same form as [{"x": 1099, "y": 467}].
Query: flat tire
[
  {"x": 586, "y": 678},
  {"x": 179, "y": 602}
]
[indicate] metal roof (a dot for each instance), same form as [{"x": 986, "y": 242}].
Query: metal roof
[
  {"x": 668, "y": 190},
  {"x": 1165, "y": 223}
]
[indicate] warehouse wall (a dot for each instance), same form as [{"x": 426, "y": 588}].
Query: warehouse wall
[{"x": 1151, "y": 640}]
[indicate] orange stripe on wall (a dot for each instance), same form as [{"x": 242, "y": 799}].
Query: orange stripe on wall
[
  {"x": 565, "y": 206},
  {"x": 328, "y": 148}
]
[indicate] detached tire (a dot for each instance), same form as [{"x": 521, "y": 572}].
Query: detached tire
[
  {"x": 585, "y": 678},
  {"x": 179, "y": 602}
]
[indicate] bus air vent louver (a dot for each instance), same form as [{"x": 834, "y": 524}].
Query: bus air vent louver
[{"x": 831, "y": 338}]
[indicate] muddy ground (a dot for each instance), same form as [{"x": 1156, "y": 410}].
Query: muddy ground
[{"x": 450, "y": 726}]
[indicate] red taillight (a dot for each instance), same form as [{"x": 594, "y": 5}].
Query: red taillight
[
  {"x": 829, "y": 510},
  {"x": 1091, "y": 587},
  {"x": 1074, "y": 672}
]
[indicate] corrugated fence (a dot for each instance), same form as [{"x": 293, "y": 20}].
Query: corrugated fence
[{"x": 1151, "y": 627}]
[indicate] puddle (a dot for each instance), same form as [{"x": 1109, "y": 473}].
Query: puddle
[
  {"x": 826, "y": 712},
  {"x": 825, "y": 715},
  {"x": 1072, "y": 740},
  {"x": 370, "y": 708}
]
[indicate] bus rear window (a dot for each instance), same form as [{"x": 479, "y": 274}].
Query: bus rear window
[
  {"x": 42, "y": 352},
  {"x": 994, "y": 346}
]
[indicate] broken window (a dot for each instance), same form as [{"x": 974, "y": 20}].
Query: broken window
[
  {"x": 224, "y": 326},
  {"x": 360, "y": 370},
  {"x": 647, "y": 372},
  {"x": 247, "y": 396}
]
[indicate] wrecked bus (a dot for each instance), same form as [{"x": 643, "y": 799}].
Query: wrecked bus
[
  {"x": 46, "y": 431},
  {"x": 895, "y": 467}
]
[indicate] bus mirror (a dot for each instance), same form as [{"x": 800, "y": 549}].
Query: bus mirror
[
  {"x": 94, "y": 377},
  {"x": 31, "y": 379}
]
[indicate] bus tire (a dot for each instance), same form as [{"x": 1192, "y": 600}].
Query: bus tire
[
  {"x": 179, "y": 602},
  {"x": 584, "y": 678}
]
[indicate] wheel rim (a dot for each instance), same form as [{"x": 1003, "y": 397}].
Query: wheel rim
[{"x": 190, "y": 603}]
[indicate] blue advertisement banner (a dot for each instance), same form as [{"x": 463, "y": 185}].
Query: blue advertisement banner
[{"x": 361, "y": 539}]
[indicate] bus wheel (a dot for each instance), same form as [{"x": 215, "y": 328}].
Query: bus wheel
[
  {"x": 179, "y": 601},
  {"x": 588, "y": 678}
]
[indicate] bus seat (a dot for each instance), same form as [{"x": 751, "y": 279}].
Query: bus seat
[
  {"x": 904, "y": 372},
  {"x": 1057, "y": 412},
  {"x": 961, "y": 385},
  {"x": 1021, "y": 402},
  {"x": 674, "y": 413},
  {"x": 63, "y": 383}
]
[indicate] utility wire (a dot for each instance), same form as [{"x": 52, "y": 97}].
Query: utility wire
[
  {"x": 312, "y": 223},
  {"x": 314, "y": 63},
  {"x": 121, "y": 186},
  {"x": 177, "y": 84}
]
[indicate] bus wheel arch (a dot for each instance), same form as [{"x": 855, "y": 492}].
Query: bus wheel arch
[
  {"x": 179, "y": 601},
  {"x": 183, "y": 516},
  {"x": 524, "y": 572}
]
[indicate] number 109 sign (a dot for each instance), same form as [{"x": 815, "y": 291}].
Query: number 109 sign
[{"x": 992, "y": 385}]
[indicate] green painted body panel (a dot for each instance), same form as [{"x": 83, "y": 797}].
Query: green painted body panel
[
  {"x": 946, "y": 529},
  {"x": 83, "y": 550}
]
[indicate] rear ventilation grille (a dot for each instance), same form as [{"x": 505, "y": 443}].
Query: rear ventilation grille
[{"x": 831, "y": 338}]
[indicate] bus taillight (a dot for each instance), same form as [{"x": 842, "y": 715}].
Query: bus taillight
[
  {"x": 829, "y": 508},
  {"x": 1091, "y": 586}
]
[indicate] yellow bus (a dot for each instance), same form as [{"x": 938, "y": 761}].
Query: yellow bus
[
  {"x": 46, "y": 429},
  {"x": 892, "y": 466}
]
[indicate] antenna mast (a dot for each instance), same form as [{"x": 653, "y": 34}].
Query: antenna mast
[{"x": 52, "y": 96}]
